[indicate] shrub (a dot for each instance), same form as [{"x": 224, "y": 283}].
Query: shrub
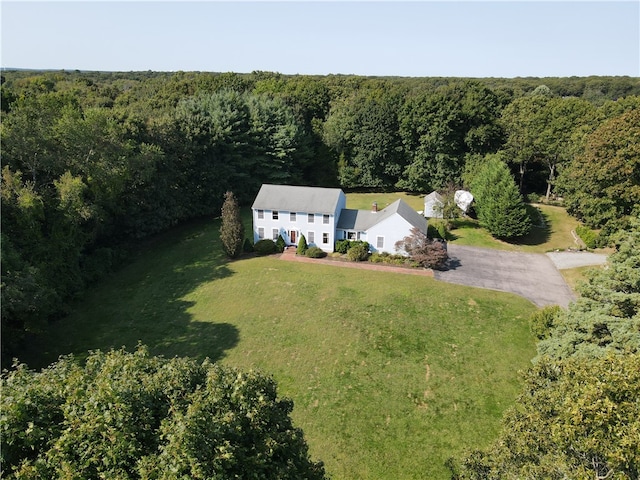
[
  {"x": 422, "y": 250},
  {"x": 342, "y": 246},
  {"x": 315, "y": 252},
  {"x": 280, "y": 244},
  {"x": 376, "y": 257},
  {"x": 542, "y": 321},
  {"x": 247, "y": 246},
  {"x": 302, "y": 246},
  {"x": 358, "y": 252},
  {"x": 265, "y": 247},
  {"x": 588, "y": 236}
]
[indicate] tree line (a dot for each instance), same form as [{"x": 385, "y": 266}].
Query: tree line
[{"x": 92, "y": 161}]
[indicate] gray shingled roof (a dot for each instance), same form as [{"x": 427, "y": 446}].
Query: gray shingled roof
[
  {"x": 292, "y": 198},
  {"x": 362, "y": 220},
  {"x": 434, "y": 196}
]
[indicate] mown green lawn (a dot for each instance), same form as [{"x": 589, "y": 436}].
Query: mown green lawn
[
  {"x": 551, "y": 230},
  {"x": 390, "y": 374}
]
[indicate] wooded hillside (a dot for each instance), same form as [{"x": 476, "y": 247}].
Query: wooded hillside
[{"x": 92, "y": 161}]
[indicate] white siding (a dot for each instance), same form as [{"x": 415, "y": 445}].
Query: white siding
[
  {"x": 392, "y": 229},
  {"x": 301, "y": 225}
]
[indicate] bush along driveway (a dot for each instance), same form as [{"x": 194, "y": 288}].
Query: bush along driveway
[{"x": 530, "y": 275}]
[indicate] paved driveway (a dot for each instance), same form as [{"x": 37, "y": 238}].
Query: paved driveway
[{"x": 529, "y": 275}]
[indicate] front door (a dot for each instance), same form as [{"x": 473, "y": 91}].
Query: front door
[{"x": 292, "y": 236}]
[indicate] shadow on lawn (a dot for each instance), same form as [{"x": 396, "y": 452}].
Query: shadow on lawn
[
  {"x": 540, "y": 228},
  {"x": 147, "y": 302}
]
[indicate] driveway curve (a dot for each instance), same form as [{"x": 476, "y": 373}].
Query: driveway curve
[{"x": 530, "y": 275}]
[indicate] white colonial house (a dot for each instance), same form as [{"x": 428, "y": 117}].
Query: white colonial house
[{"x": 320, "y": 215}]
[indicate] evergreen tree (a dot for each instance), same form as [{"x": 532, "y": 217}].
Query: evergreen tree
[
  {"x": 232, "y": 229},
  {"x": 302, "y": 246},
  {"x": 499, "y": 206}
]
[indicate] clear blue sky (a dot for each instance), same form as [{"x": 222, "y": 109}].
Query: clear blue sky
[{"x": 419, "y": 38}]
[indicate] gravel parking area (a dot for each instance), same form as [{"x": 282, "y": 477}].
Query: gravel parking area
[{"x": 563, "y": 260}]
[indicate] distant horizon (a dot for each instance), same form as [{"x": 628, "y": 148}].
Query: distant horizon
[
  {"x": 415, "y": 39},
  {"x": 74, "y": 70}
]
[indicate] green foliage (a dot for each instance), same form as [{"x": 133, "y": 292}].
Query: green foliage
[
  {"x": 578, "y": 415},
  {"x": 265, "y": 246},
  {"x": 498, "y": 203},
  {"x": 542, "y": 321},
  {"x": 247, "y": 246},
  {"x": 358, "y": 252},
  {"x": 185, "y": 299},
  {"x": 602, "y": 184},
  {"x": 386, "y": 257},
  {"x": 577, "y": 418},
  {"x": 423, "y": 250},
  {"x": 280, "y": 244},
  {"x": 131, "y": 415},
  {"x": 441, "y": 228},
  {"x": 606, "y": 317},
  {"x": 588, "y": 236},
  {"x": 343, "y": 246},
  {"x": 315, "y": 252},
  {"x": 440, "y": 128},
  {"x": 302, "y": 246},
  {"x": 231, "y": 228}
]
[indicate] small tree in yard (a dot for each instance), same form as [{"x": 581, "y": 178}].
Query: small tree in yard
[
  {"x": 302, "y": 246},
  {"x": 232, "y": 229},
  {"x": 423, "y": 250}
]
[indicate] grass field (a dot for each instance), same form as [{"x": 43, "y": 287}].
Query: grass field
[
  {"x": 551, "y": 230},
  {"x": 390, "y": 374}
]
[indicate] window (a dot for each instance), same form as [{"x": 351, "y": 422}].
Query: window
[
  {"x": 311, "y": 237},
  {"x": 260, "y": 214},
  {"x": 311, "y": 218},
  {"x": 325, "y": 219},
  {"x": 351, "y": 235},
  {"x": 380, "y": 242},
  {"x": 292, "y": 216},
  {"x": 260, "y": 233},
  {"x": 275, "y": 234},
  {"x": 274, "y": 215},
  {"x": 325, "y": 238}
]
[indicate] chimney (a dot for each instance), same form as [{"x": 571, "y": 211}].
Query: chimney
[{"x": 374, "y": 207}]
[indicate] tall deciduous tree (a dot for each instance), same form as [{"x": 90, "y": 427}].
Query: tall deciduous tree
[
  {"x": 603, "y": 184},
  {"x": 232, "y": 228},
  {"x": 134, "y": 416},
  {"x": 438, "y": 129},
  {"x": 363, "y": 130},
  {"x": 566, "y": 123},
  {"x": 522, "y": 122},
  {"x": 578, "y": 418}
]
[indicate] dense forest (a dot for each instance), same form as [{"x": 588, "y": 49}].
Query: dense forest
[{"x": 92, "y": 161}]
